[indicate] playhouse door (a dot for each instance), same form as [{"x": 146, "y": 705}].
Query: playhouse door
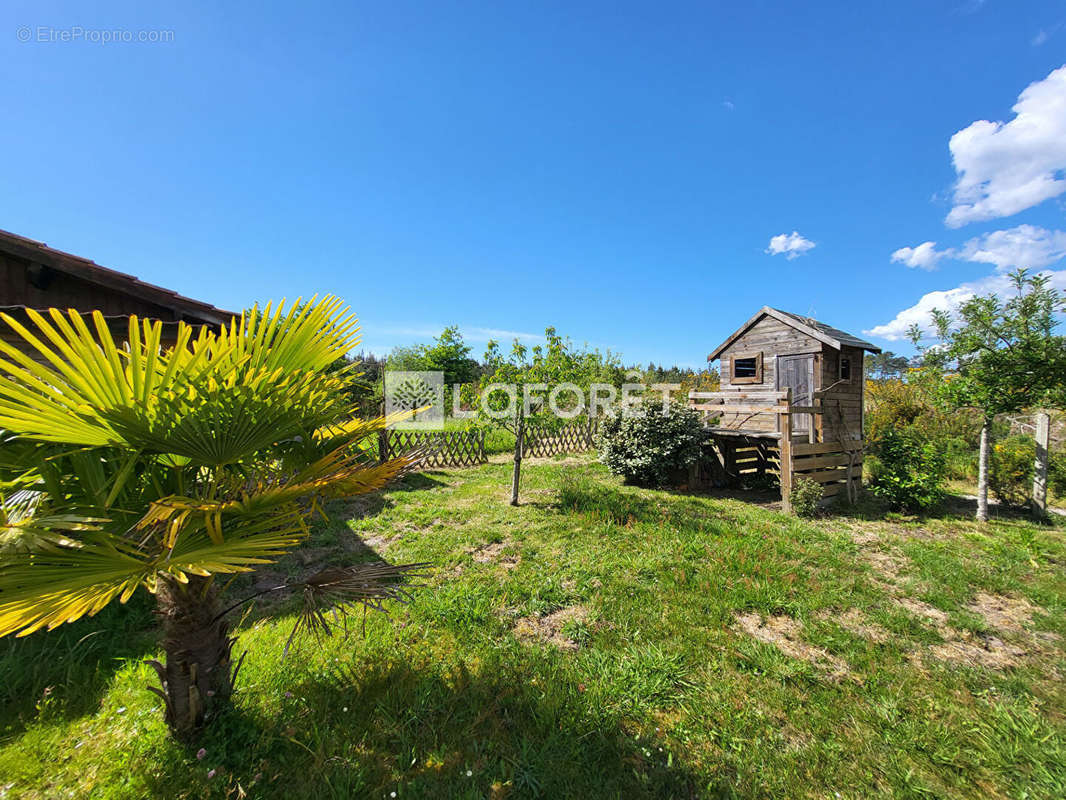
[{"x": 797, "y": 373}]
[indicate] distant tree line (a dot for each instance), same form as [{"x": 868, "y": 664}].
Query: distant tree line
[{"x": 557, "y": 360}]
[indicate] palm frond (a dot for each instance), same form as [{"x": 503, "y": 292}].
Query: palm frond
[
  {"x": 263, "y": 375},
  {"x": 338, "y": 474},
  {"x": 61, "y": 583},
  {"x": 334, "y": 591}
]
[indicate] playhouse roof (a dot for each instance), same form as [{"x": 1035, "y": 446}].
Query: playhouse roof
[{"x": 827, "y": 334}]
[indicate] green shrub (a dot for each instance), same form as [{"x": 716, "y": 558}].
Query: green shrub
[
  {"x": 908, "y": 472},
  {"x": 1056, "y": 473},
  {"x": 1010, "y": 474},
  {"x": 651, "y": 447},
  {"x": 961, "y": 459},
  {"x": 805, "y": 497}
]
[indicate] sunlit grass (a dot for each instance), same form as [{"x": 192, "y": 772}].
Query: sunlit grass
[{"x": 659, "y": 694}]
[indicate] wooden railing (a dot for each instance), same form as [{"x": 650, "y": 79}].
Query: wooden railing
[{"x": 835, "y": 465}]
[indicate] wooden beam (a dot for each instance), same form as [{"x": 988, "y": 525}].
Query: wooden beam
[
  {"x": 820, "y": 462},
  {"x": 786, "y": 456},
  {"x": 729, "y": 408},
  {"x": 763, "y": 395},
  {"x": 824, "y": 447}
]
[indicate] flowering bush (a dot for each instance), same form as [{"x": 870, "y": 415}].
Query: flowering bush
[
  {"x": 1011, "y": 471},
  {"x": 652, "y": 448}
]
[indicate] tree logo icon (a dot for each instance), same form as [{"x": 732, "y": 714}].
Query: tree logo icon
[{"x": 421, "y": 392}]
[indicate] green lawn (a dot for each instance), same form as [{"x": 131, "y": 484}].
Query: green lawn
[{"x": 598, "y": 641}]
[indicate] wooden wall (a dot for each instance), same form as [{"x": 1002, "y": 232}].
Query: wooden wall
[
  {"x": 63, "y": 291},
  {"x": 843, "y": 402},
  {"x": 771, "y": 338},
  {"x": 842, "y": 417}
]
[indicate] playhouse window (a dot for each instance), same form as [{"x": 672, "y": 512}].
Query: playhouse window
[
  {"x": 747, "y": 368},
  {"x": 845, "y": 369}
]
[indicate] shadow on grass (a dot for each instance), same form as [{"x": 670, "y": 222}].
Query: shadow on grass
[
  {"x": 953, "y": 507},
  {"x": 387, "y": 727},
  {"x": 332, "y": 543},
  {"x": 629, "y": 505},
  {"x": 62, "y": 674}
]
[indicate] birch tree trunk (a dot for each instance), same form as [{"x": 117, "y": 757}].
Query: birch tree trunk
[
  {"x": 1043, "y": 437},
  {"x": 982, "y": 475}
]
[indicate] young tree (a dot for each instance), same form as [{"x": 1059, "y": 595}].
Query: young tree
[
  {"x": 143, "y": 467},
  {"x": 998, "y": 357},
  {"x": 537, "y": 370}
]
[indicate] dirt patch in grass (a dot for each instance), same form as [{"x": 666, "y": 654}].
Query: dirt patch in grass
[
  {"x": 549, "y": 628},
  {"x": 854, "y": 621},
  {"x": 1003, "y": 613},
  {"x": 493, "y": 553},
  {"x": 863, "y": 537},
  {"x": 980, "y": 651},
  {"x": 1008, "y": 615},
  {"x": 888, "y": 567},
  {"x": 929, "y": 613},
  {"x": 783, "y": 632},
  {"x": 378, "y": 542}
]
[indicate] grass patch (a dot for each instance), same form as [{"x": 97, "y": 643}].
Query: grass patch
[{"x": 595, "y": 642}]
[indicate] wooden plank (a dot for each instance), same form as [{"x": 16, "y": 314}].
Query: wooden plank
[
  {"x": 826, "y": 475},
  {"x": 824, "y": 447},
  {"x": 819, "y": 462},
  {"x": 731, "y": 408},
  {"x": 829, "y": 490},
  {"x": 768, "y": 395}
]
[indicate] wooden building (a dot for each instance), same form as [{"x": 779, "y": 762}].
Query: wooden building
[
  {"x": 33, "y": 275},
  {"x": 791, "y": 401}
]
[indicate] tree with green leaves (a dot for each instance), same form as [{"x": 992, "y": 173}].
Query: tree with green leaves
[
  {"x": 448, "y": 353},
  {"x": 998, "y": 356},
  {"x": 137, "y": 466},
  {"x": 534, "y": 372},
  {"x": 885, "y": 366}
]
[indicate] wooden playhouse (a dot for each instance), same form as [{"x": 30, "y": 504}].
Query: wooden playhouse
[{"x": 791, "y": 403}]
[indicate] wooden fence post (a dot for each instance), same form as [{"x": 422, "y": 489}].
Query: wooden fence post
[
  {"x": 785, "y": 454},
  {"x": 1043, "y": 436}
]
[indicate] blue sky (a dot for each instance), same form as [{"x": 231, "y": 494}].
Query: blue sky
[{"x": 617, "y": 170}]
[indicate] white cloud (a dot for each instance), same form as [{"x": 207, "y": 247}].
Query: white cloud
[
  {"x": 924, "y": 256},
  {"x": 1023, "y": 246},
  {"x": 1044, "y": 34},
  {"x": 470, "y": 333},
  {"x": 484, "y": 334},
  {"x": 920, "y": 313},
  {"x": 1008, "y": 167},
  {"x": 793, "y": 245}
]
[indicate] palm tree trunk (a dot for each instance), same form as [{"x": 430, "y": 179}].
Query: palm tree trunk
[
  {"x": 982, "y": 476},
  {"x": 197, "y": 679}
]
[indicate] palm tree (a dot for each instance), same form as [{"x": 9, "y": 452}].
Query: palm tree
[{"x": 161, "y": 468}]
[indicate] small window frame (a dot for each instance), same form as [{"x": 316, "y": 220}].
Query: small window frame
[
  {"x": 842, "y": 361},
  {"x": 749, "y": 379}
]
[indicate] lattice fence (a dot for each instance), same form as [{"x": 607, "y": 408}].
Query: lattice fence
[
  {"x": 543, "y": 442},
  {"x": 442, "y": 448}
]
